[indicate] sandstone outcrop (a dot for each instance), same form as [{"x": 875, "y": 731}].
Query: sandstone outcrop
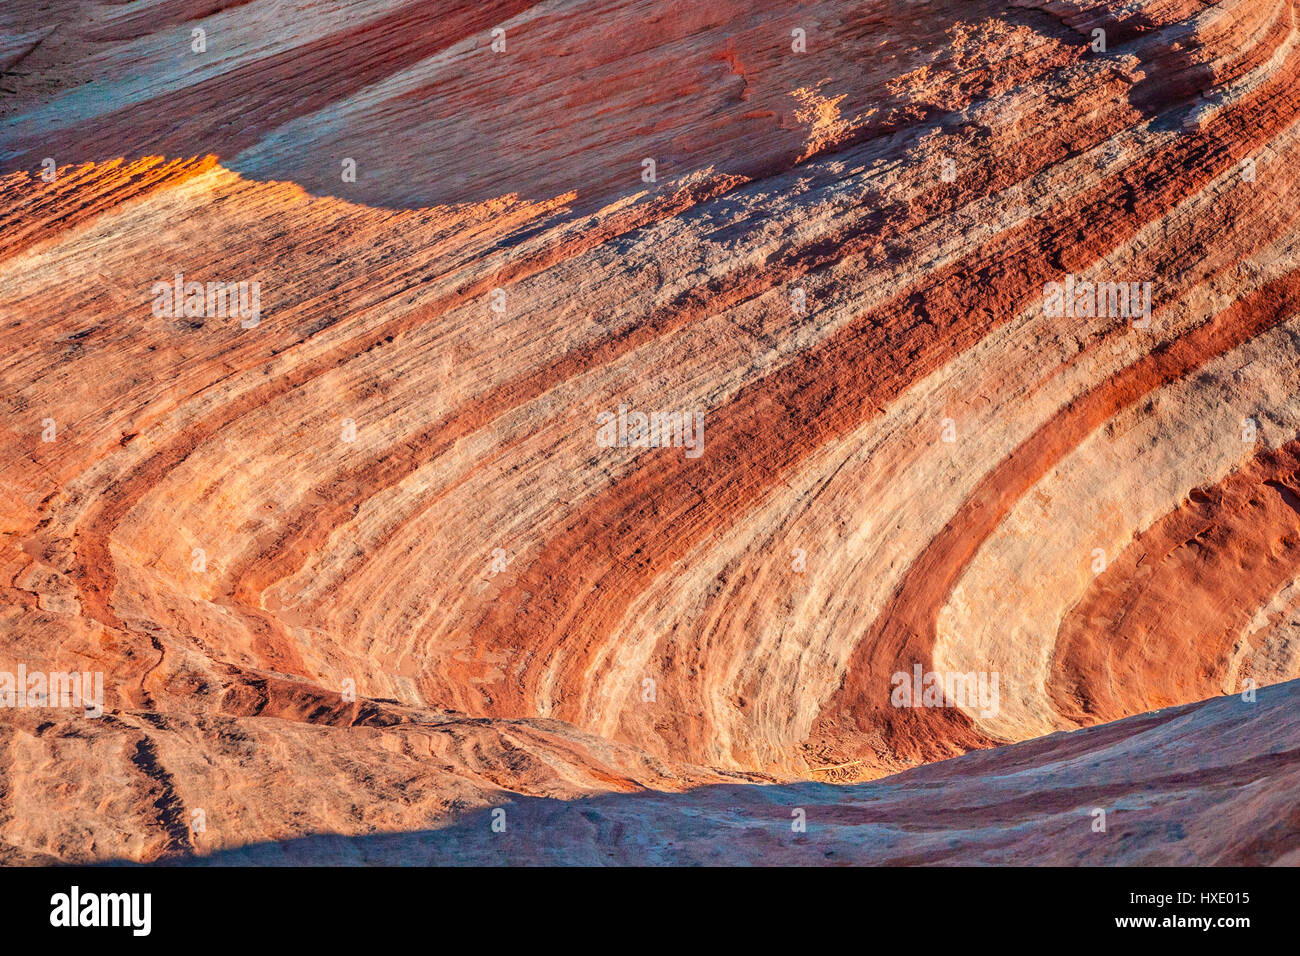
[{"x": 358, "y": 562}]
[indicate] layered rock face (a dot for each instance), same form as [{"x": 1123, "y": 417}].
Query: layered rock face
[{"x": 968, "y": 332}]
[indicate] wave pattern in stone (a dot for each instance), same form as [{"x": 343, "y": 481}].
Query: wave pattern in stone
[{"x": 840, "y": 262}]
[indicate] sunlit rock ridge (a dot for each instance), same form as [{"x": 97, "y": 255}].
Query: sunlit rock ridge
[{"x": 967, "y": 338}]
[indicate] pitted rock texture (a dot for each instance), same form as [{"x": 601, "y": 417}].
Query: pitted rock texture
[{"x": 392, "y": 481}]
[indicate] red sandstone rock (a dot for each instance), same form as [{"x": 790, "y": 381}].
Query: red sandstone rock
[{"x": 389, "y": 481}]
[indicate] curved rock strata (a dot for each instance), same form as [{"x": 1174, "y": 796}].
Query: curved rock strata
[{"x": 374, "y": 512}]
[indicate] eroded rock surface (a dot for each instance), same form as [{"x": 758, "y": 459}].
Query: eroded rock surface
[{"x": 391, "y": 481}]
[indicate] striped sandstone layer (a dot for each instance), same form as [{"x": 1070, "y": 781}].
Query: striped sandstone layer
[{"x": 841, "y": 263}]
